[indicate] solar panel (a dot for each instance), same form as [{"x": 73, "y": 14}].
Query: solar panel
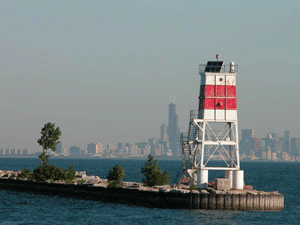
[{"x": 214, "y": 66}]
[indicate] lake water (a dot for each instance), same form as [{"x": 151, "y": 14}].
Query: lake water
[{"x": 26, "y": 208}]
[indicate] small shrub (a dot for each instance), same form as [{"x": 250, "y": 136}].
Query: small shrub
[
  {"x": 25, "y": 174},
  {"x": 70, "y": 174},
  {"x": 50, "y": 172},
  {"x": 115, "y": 176},
  {"x": 165, "y": 178},
  {"x": 153, "y": 174}
]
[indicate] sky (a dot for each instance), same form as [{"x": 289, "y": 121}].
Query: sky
[{"x": 104, "y": 71}]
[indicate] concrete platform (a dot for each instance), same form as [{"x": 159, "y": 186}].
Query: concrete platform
[{"x": 155, "y": 197}]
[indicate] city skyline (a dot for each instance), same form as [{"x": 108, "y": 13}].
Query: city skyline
[
  {"x": 270, "y": 146},
  {"x": 166, "y": 130},
  {"x": 105, "y": 71}
]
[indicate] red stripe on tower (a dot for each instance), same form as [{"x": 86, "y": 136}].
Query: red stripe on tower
[{"x": 218, "y": 90}]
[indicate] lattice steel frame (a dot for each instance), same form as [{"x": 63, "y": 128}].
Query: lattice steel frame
[{"x": 208, "y": 143}]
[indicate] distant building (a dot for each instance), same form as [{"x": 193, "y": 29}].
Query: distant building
[
  {"x": 264, "y": 155},
  {"x": 13, "y": 151},
  {"x": 257, "y": 149},
  {"x": 91, "y": 148},
  {"x": 120, "y": 145},
  {"x": 295, "y": 147},
  {"x": 59, "y": 148},
  {"x": 133, "y": 150},
  {"x": 25, "y": 151},
  {"x": 130, "y": 148},
  {"x": 274, "y": 156},
  {"x": 144, "y": 148},
  {"x": 164, "y": 133},
  {"x": 270, "y": 142},
  {"x": 164, "y": 144},
  {"x": 94, "y": 148},
  {"x": 248, "y": 144},
  {"x": 286, "y": 144},
  {"x": 74, "y": 150},
  {"x": 285, "y": 156},
  {"x": 109, "y": 149},
  {"x": 173, "y": 130},
  {"x": 279, "y": 145},
  {"x": 153, "y": 146},
  {"x": 65, "y": 151},
  {"x": 269, "y": 154}
]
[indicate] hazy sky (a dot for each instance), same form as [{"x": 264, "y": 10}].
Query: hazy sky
[{"x": 104, "y": 71}]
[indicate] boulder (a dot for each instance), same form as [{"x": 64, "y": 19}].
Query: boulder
[{"x": 80, "y": 174}]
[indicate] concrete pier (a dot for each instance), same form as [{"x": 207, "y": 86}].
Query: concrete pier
[{"x": 156, "y": 197}]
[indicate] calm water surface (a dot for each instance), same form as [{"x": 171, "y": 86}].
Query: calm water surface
[{"x": 26, "y": 208}]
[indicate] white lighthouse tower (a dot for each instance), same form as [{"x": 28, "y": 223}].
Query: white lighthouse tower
[{"x": 213, "y": 128}]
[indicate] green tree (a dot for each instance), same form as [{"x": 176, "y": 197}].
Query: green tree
[
  {"x": 153, "y": 174},
  {"x": 48, "y": 140},
  {"x": 115, "y": 176}
]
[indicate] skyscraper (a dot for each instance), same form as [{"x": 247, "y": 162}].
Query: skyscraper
[
  {"x": 59, "y": 147},
  {"x": 164, "y": 133},
  {"x": 286, "y": 144},
  {"x": 94, "y": 148},
  {"x": 247, "y": 143},
  {"x": 270, "y": 142},
  {"x": 74, "y": 150},
  {"x": 295, "y": 147},
  {"x": 173, "y": 129}
]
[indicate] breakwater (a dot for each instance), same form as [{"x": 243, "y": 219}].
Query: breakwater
[{"x": 134, "y": 193}]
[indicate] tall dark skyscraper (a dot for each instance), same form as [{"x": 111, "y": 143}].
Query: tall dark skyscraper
[{"x": 173, "y": 130}]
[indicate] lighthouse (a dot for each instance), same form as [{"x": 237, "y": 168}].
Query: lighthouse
[
  {"x": 213, "y": 128},
  {"x": 217, "y": 100}
]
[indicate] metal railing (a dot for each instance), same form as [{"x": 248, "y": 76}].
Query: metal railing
[
  {"x": 194, "y": 115},
  {"x": 224, "y": 69},
  {"x": 184, "y": 137}
]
